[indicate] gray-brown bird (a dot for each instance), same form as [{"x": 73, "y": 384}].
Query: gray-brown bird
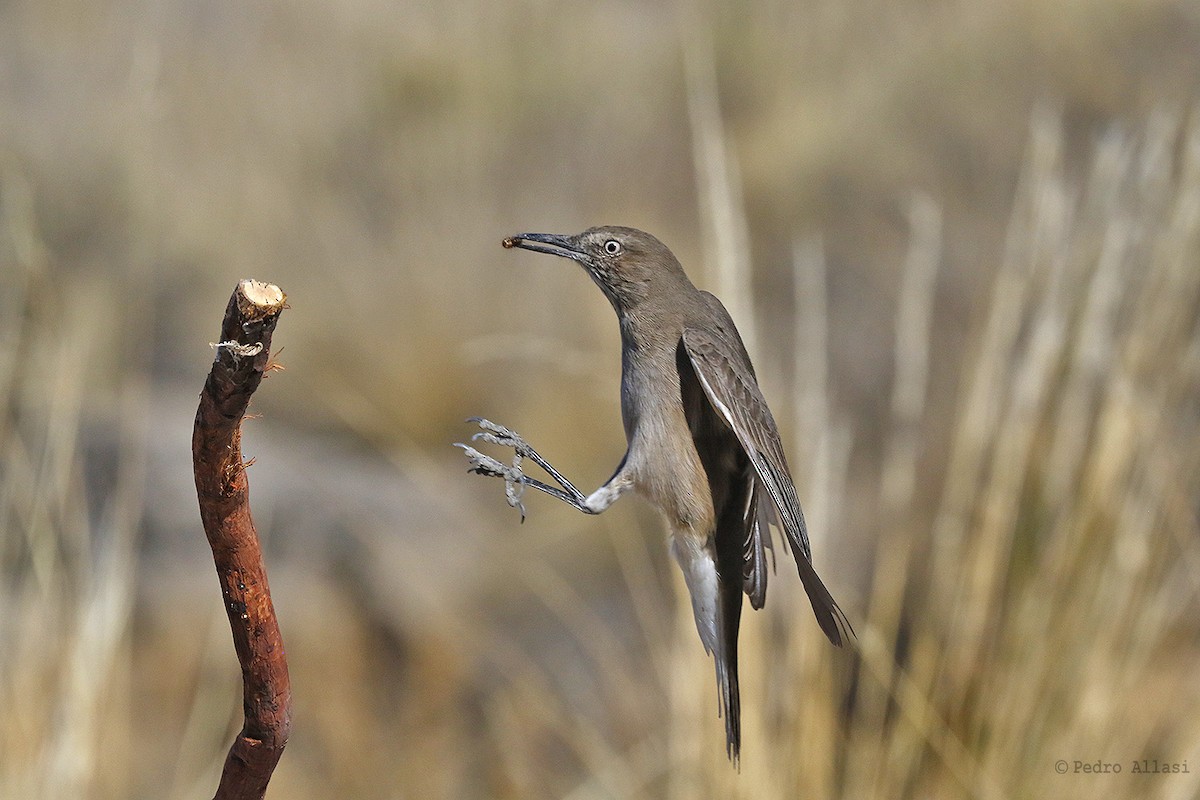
[{"x": 703, "y": 446}]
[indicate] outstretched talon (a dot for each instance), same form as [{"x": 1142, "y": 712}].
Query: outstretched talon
[
  {"x": 514, "y": 478},
  {"x": 498, "y": 434}
]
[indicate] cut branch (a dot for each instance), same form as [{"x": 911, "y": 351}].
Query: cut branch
[{"x": 242, "y": 355}]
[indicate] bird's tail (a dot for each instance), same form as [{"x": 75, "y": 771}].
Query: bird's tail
[
  {"x": 717, "y": 606},
  {"x": 726, "y": 658}
]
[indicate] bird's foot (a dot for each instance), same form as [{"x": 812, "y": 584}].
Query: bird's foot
[
  {"x": 482, "y": 464},
  {"x": 515, "y": 480},
  {"x": 498, "y": 434}
]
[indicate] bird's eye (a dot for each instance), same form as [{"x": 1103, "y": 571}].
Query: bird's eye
[{"x": 612, "y": 247}]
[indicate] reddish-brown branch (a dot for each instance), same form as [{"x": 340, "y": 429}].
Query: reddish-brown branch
[{"x": 243, "y": 354}]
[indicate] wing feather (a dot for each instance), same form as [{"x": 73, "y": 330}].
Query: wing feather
[{"x": 723, "y": 369}]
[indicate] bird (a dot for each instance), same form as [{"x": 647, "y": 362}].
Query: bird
[{"x": 703, "y": 447}]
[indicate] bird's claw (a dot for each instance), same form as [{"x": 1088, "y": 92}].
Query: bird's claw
[
  {"x": 514, "y": 478},
  {"x": 500, "y": 435}
]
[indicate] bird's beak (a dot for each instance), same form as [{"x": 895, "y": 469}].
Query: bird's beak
[{"x": 558, "y": 245}]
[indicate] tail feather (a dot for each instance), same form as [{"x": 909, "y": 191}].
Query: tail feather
[
  {"x": 729, "y": 544},
  {"x": 716, "y": 594},
  {"x": 726, "y": 660}
]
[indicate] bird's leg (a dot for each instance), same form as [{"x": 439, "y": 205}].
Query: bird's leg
[
  {"x": 498, "y": 434},
  {"x": 515, "y": 480}
]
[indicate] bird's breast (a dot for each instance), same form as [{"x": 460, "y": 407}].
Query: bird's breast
[{"x": 662, "y": 457}]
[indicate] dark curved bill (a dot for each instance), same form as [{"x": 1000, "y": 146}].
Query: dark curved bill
[{"x": 552, "y": 243}]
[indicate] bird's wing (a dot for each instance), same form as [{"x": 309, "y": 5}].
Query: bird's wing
[
  {"x": 723, "y": 369},
  {"x": 757, "y": 542}
]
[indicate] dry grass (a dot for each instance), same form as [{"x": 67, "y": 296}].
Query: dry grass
[
  {"x": 70, "y": 508},
  {"x": 990, "y": 384},
  {"x": 1046, "y": 611}
]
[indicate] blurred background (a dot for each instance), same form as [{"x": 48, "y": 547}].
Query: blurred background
[{"x": 962, "y": 239}]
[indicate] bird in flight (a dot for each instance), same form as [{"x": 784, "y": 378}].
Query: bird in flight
[{"x": 703, "y": 447}]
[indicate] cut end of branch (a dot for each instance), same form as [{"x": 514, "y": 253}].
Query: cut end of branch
[{"x": 257, "y": 299}]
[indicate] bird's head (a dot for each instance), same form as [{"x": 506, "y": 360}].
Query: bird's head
[{"x": 625, "y": 263}]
